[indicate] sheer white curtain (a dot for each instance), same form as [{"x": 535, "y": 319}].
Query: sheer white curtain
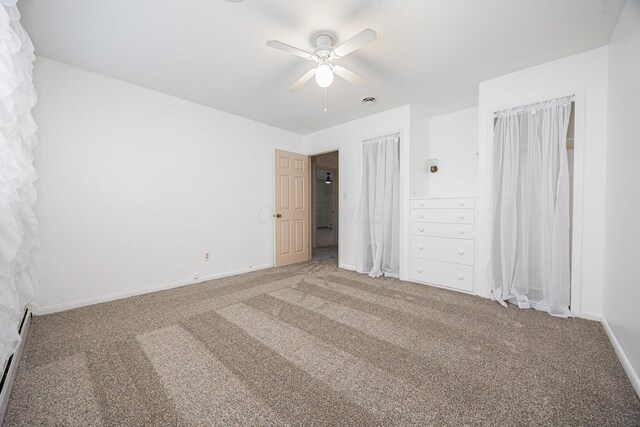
[
  {"x": 19, "y": 270},
  {"x": 530, "y": 262},
  {"x": 378, "y": 246}
]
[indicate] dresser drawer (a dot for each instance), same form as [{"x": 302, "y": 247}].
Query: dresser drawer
[
  {"x": 465, "y": 203},
  {"x": 442, "y": 249},
  {"x": 456, "y": 276},
  {"x": 452, "y": 216},
  {"x": 435, "y": 229}
]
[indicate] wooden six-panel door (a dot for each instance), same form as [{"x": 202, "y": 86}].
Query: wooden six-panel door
[{"x": 292, "y": 208}]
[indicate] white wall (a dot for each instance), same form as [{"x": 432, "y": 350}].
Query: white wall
[
  {"x": 134, "y": 186},
  {"x": 348, "y": 139},
  {"x": 453, "y": 140},
  {"x": 586, "y": 72},
  {"x": 621, "y": 311},
  {"x": 419, "y": 153}
]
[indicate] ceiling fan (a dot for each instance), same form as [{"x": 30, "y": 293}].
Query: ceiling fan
[{"x": 324, "y": 54}]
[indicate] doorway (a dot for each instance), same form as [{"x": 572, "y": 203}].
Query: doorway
[
  {"x": 325, "y": 206},
  {"x": 533, "y": 206}
]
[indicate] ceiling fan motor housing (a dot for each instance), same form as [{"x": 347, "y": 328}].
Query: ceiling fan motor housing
[{"x": 323, "y": 48}]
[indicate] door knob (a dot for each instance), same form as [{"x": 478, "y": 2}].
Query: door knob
[{"x": 277, "y": 216}]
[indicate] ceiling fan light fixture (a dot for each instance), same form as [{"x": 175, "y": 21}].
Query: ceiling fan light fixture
[
  {"x": 324, "y": 75},
  {"x": 324, "y": 54}
]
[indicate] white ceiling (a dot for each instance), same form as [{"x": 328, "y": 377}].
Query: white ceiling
[{"x": 430, "y": 53}]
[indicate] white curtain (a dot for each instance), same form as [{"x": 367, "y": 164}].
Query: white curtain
[
  {"x": 19, "y": 249},
  {"x": 530, "y": 261},
  {"x": 378, "y": 246}
]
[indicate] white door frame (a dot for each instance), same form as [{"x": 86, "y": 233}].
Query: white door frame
[
  {"x": 313, "y": 198},
  {"x": 486, "y": 120},
  {"x": 335, "y": 202}
]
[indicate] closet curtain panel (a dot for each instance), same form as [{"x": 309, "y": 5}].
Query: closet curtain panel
[
  {"x": 19, "y": 248},
  {"x": 378, "y": 238},
  {"x": 530, "y": 253}
]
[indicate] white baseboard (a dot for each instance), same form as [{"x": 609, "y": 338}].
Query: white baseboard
[
  {"x": 624, "y": 360},
  {"x": 347, "y": 267},
  {"x": 590, "y": 316},
  {"x": 13, "y": 367},
  {"x": 38, "y": 311}
]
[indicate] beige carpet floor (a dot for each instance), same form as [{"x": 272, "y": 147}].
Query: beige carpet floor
[{"x": 314, "y": 345}]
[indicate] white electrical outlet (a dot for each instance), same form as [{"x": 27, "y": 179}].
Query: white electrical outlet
[{"x": 206, "y": 256}]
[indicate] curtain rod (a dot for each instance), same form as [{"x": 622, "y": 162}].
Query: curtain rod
[
  {"x": 395, "y": 135},
  {"x": 571, "y": 97}
]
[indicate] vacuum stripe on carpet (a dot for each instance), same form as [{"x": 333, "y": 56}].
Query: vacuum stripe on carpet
[
  {"x": 127, "y": 387},
  {"x": 369, "y": 386},
  {"x": 202, "y": 388},
  {"x": 293, "y": 394}
]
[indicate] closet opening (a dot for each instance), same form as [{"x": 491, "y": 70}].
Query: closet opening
[
  {"x": 531, "y": 260},
  {"x": 325, "y": 207}
]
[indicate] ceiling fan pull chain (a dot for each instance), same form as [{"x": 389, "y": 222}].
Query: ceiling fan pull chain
[{"x": 325, "y": 99}]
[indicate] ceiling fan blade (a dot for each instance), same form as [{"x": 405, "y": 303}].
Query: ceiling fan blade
[
  {"x": 289, "y": 49},
  {"x": 348, "y": 75},
  {"x": 356, "y": 42},
  {"x": 303, "y": 80}
]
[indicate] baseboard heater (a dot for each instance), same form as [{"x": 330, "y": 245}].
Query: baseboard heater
[{"x": 11, "y": 365}]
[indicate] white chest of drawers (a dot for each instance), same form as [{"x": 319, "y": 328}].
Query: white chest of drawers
[{"x": 442, "y": 247}]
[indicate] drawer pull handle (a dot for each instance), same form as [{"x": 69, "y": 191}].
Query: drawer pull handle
[
  {"x": 461, "y": 215},
  {"x": 461, "y": 251},
  {"x": 420, "y": 270},
  {"x": 421, "y": 215},
  {"x": 421, "y": 204},
  {"x": 420, "y": 247},
  {"x": 421, "y": 229},
  {"x": 461, "y": 231},
  {"x": 460, "y": 276},
  {"x": 461, "y": 203}
]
